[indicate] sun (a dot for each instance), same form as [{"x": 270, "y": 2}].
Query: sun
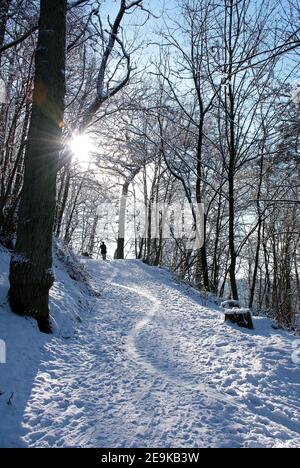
[{"x": 81, "y": 147}]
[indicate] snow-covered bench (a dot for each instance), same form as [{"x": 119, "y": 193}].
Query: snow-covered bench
[
  {"x": 230, "y": 304},
  {"x": 297, "y": 322},
  {"x": 234, "y": 314}
]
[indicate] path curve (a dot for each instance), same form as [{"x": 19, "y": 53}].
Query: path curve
[{"x": 130, "y": 377}]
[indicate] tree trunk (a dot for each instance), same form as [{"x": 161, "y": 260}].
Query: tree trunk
[
  {"x": 31, "y": 275},
  {"x": 231, "y": 129},
  {"x": 119, "y": 255},
  {"x": 216, "y": 264},
  {"x": 91, "y": 245},
  {"x": 4, "y": 8},
  {"x": 267, "y": 271},
  {"x": 232, "y": 268},
  {"x": 256, "y": 264},
  {"x": 62, "y": 199}
]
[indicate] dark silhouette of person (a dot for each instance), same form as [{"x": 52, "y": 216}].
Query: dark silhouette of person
[{"x": 103, "y": 250}]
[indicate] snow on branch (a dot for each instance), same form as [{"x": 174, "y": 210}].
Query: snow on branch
[{"x": 103, "y": 90}]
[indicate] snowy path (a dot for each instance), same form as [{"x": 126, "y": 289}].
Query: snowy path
[{"x": 152, "y": 367}]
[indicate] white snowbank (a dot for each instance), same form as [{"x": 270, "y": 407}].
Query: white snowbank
[
  {"x": 237, "y": 311},
  {"x": 26, "y": 346},
  {"x": 230, "y": 304},
  {"x": 296, "y": 94}
]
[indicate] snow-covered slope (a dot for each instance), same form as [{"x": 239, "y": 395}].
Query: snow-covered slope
[{"x": 148, "y": 365}]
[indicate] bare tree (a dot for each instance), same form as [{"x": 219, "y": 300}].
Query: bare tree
[{"x": 31, "y": 274}]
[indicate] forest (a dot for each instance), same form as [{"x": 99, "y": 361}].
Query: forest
[{"x": 113, "y": 109}]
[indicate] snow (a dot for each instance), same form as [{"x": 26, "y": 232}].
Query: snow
[
  {"x": 237, "y": 311},
  {"x": 143, "y": 364},
  {"x": 230, "y": 304}
]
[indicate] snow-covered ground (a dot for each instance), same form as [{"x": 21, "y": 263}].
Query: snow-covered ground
[{"x": 145, "y": 364}]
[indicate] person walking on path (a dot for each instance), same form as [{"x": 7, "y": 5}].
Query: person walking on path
[{"x": 103, "y": 250}]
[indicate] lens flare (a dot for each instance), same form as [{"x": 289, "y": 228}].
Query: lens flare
[{"x": 81, "y": 147}]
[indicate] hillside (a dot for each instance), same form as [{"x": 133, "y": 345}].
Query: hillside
[{"x": 143, "y": 363}]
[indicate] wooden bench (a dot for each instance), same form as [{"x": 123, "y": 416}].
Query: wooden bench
[{"x": 237, "y": 315}]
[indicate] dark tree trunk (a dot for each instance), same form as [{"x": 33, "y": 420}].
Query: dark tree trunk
[
  {"x": 4, "y": 8},
  {"x": 91, "y": 245},
  {"x": 231, "y": 129},
  {"x": 69, "y": 225},
  {"x": 12, "y": 189},
  {"x": 256, "y": 266},
  {"x": 31, "y": 275},
  {"x": 231, "y": 194},
  {"x": 216, "y": 262},
  {"x": 256, "y": 263},
  {"x": 159, "y": 246},
  {"x": 199, "y": 199},
  {"x": 267, "y": 271}
]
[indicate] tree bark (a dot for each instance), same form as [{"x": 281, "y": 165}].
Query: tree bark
[
  {"x": 4, "y": 8},
  {"x": 232, "y": 268},
  {"x": 62, "y": 199},
  {"x": 260, "y": 221},
  {"x": 119, "y": 255},
  {"x": 199, "y": 198},
  {"x": 31, "y": 275},
  {"x": 230, "y": 111}
]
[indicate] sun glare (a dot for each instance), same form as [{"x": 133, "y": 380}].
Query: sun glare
[{"x": 81, "y": 147}]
